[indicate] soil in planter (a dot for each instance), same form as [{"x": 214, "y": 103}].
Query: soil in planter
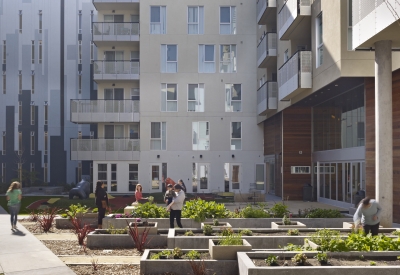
[
  {"x": 203, "y": 256},
  {"x": 380, "y": 261}
]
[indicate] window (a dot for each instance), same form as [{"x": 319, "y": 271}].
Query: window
[
  {"x": 133, "y": 176},
  {"x": 40, "y": 51},
  {"x": 200, "y": 175},
  {"x": 32, "y": 143},
  {"x": 114, "y": 184},
  {"x": 79, "y": 22},
  {"x": 233, "y": 97},
  {"x": 300, "y": 169},
  {"x": 4, "y": 51},
  {"x": 260, "y": 176},
  {"x": 3, "y": 172},
  {"x": 32, "y": 114},
  {"x": 227, "y": 20},
  {"x": 102, "y": 173},
  {"x": 4, "y": 84},
  {"x": 46, "y": 114},
  {"x": 4, "y": 143},
  {"x": 169, "y": 58},
  {"x": 33, "y": 51},
  {"x": 158, "y": 136},
  {"x": 158, "y": 22},
  {"x": 235, "y": 177},
  {"x": 45, "y": 143},
  {"x": 196, "y": 20},
  {"x": 80, "y": 83},
  {"x": 40, "y": 21},
  {"x": 227, "y": 62},
  {"x": 201, "y": 135},
  {"x": 350, "y": 26},
  {"x": 169, "y": 98},
  {"x": 236, "y": 138},
  {"x": 155, "y": 176},
  {"x": 20, "y": 21},
  {"x": 286, "y": 55},
  {"x": 135, "y": 94},
  {"x": 45, "y": 169},
  {"x": 196, "y": 98},
  {"x": 33, "y": 83},
  {"x": 206, "y": 59},
  {"x": 91, "y": 51},
  {"x": 19, "y": 112},
  {"x": 80, "y": 52},
  {"x": 320, "y": 41},
  {"x": 20, "y": 82}
]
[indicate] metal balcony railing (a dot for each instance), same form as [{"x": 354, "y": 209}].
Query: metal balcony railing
[
  {"x": 267, "y": 97},
  {"x": 104, "y": 106},
  {"x": 107, "y": 145},
  {"x": 116, "y": 67},
  {"x": 104, "y": 30},
  {"x": 295, "y": 73},
  {"x": 267, "y": 47}
]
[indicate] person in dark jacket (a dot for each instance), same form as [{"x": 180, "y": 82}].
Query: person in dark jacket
[
  {"x": 101, "y": 202},
  {"x": 169, "y": 194}
]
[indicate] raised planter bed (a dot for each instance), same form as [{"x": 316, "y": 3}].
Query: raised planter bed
[
  {"x": 100, "y": 238},
  {"x": 182, "y": 266},
  {"x": 142, "y": 226},
  {"x": 247, "y": 266},
  {"x": 65, "y": 223},
  {"x": 226, "y": 252},
  {"x": 295, "y": 224},
  {"x": 351, "y": 225},
  {"x": 221, "y": 225}
]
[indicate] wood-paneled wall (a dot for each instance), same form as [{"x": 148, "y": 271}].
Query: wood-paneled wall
[
  {"x": 296, "y": 139},
  {"x": 370, "y": 140}
]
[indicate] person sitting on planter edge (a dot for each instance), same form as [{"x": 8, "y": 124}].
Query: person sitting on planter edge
[
  {"x": 368, "y": 213},
  {"x": 176, "y": 207},
  {"x": 169, "y": 194}
]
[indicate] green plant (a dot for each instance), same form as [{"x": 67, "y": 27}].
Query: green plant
[
  {"x": 323, "y": 213},
  {"x": 45, "y": 219},
  {"x": 286, "y": 220},
  {"x": 246, "y": 232},
  {"x": 155, "y": 256},
  {"x": 254, "y": 212},
  {"x": 95, "y": 210},
  {"x": 138, "y": 238},
  {"x": 234, "y": 239},
  {"x": 75, "y": 209},
  {"x": 372, "y": 263},
  {"x": 294, "y": 247},
  {"x": 398, "y": 258},
  {"x": 112, "y": 230},
  {"x": 227, "y": 232},
  {"x": 193, "y": 254},
  {"x": 322, "y": 258},
  {"x": 215, "y": 222},
  {"x": 279, "y": 210},
  {"x": 166, "y": 253},
  {"x": 177, "y": 253},
  {"x": 149, "y": 210},
  {"x": 272, "y": 260},
  {"x": 199, "y": 210},
  {"x": 293, "y": 232},
  {"x": 64, "y": 215},
  {"x": 207, "y": 230},
  {"x": 189, "y": 233},
  {"x": 299, "y": 259},
  {"x": 151, "y": 199},
  {"x": 328, "y": 240},
  {"x": 396, "y": 233}
]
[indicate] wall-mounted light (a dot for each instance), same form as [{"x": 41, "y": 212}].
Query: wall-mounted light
[
  {"x": 158, "y": 156},
  {"x": 113, "y": 84},
  {"x": 201, "y": 156}
]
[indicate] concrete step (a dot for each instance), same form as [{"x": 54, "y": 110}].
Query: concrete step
[{"x": 79, "y": 259}]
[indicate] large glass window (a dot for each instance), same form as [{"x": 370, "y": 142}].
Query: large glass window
[
  {"x": 227, "y": 61},
  {"x": 200, "y": 176},
  {"x": 169, "y": 97},
  {"x": 196, "y": 98},
  {"x": 158, "y": 22},
  {"x": 340, "y": 122},
  {"x": 233, "y": 97},
  {"x": 158, "y": 136},
  {"x": 102, "y": 173},
  {"x": 206, "y": 59},
  {"x": 227, "y": 20},
  {"x": 201, "y": 135},
  {"x": 196, "y": 20},
  {"x": 236, "y": 138},
  {"x": 114, "y": 181},
  {"x": 169, "y": 58}
]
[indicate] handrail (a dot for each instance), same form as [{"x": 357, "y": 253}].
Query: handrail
[
  {"x": 292, "y": 57},
  {"x": 262, "y": 39},
  {"x": 266, "y": 82}
]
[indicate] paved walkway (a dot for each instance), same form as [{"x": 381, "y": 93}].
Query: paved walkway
[{"x": 22, "y": 253}]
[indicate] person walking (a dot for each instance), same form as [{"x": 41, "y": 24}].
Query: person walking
[
  {"x": 368, "y": 214},
  {"x": 101, "y": 202},
  {"x": 14, "y": 196},
  {"x": 176, "y": 206}
]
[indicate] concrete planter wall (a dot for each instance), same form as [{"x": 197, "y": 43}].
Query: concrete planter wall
[
  {"x": 247, "y": 267},
  {"x": 107, "y": 241},
  {"x": 65, "y": 223},
  {"x": 221, "y": 225},
  {"x": 226, "y": 252},
  {"x": 152, "y": 226},
  {"x": 235, "y": 223},
  {"x": 292, "y": 225},
  {"x": 351, "y": 224},
  {"x": 182, "y": 267}
]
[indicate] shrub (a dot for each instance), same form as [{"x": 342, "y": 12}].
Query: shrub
[
  {"x": 396, "y": 233},
  {"x": 372, "y": 263},
  {"x": 322, "y": 258},
  {"x": 279, "y": 210},
  {"x": 177, "y": 253},
  {"x": 299, "y": 259},
  {"x": 293, "y": 232},
  {"x": 138, "y": 239},
  {"x": 227, "y": 232},
  {"x": 155, "y": 256},
  {"x": 215, "y": 222},
  {"x": 45, "y": 219},
  {"x": 193, "y": 254},
  {"x": 286, "y": 220},
  {"x": 234, "y": 239},
  {"x": 207, "y": 230},
  {"x": 254, "y": 212},
  {"x": 75, "y": 209},
  {"x": 81, "y": 232},
  {"x": 272, "y": 260},
  {"x": 95, "y": 210},
  {"x": 199, "y": 210},
  {"x": 327, "y": 239},
  {"x": 246, "y": 232},
  {"x": 324, "y": 213},
  {"x": 149, "y": 210},
  {"x": 112, "y": 230},
  {"x": 189, "y": 233}
]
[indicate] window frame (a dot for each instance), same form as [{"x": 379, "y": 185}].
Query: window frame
[
  {"x": 196, "y": 139},
  {"x": 319, "y": 40},
  {"x": 232, "y": 28},
  {"x": 32, "y": 143},
  {"x": 232, "y": 60},
  {"x": 163, "y": 30},
  {"x": 202, "y": 63},
  {"x": 165, "y": 54},
  {"x": 164, "y": 89},
  {"x": 236, "y": 139},
  {"x": 200, "y": 20},
  {"x": 228, "y": 99},
  {"x": 198, "y": 97},
  {"x": 163, "y": 132}
]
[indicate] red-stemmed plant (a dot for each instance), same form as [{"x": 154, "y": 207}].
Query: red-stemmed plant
[
  {"x": 45, "y": 219},
  {"x": 81, "y": 232},
  {"x": 198, "y": 267},
  {"x": 138, "y": 239}
]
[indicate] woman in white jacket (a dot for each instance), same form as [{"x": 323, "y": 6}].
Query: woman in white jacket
[
  {"x": 368, "y": 213},
  {"x": 176, "y": 206}
]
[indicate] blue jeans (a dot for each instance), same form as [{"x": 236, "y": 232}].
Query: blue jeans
[{"x": 14, "y": 210}]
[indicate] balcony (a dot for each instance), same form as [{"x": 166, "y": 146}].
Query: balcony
[
  {"x": 266, "y": 10},
  {"x": 116, "y": 70},
  {"x": 101, "y": 110},
  {"x": 105, "y": 149},
  {"x": 267, "y": 97},
  {"x": 266, "y": 50},
  {"x": 109, "y": 33},
  {"x": 294, "y": 19},
  {"x": 114, "y": 4},
  {"x": 295, "y": 75}
]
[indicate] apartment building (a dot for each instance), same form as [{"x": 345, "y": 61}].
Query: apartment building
[
  {"x": 316, "y": 100},
  {"x": 175, "y": 97},
  {"x": 45, "y": 55}
]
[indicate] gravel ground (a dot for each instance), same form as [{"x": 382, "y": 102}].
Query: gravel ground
[
  {"x": 106, "y": 269},
  {"x": 35, "y": 228}
]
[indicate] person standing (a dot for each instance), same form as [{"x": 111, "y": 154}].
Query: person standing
[
  {"x": 169, "y": 194},
  {"x": 176, "y": 206},
  {"x": 14, "y": 196},
  {"x": 183, "y": 185},
  {"x": 368, "y": 213},
  {"x": 101, "y": 202}
]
